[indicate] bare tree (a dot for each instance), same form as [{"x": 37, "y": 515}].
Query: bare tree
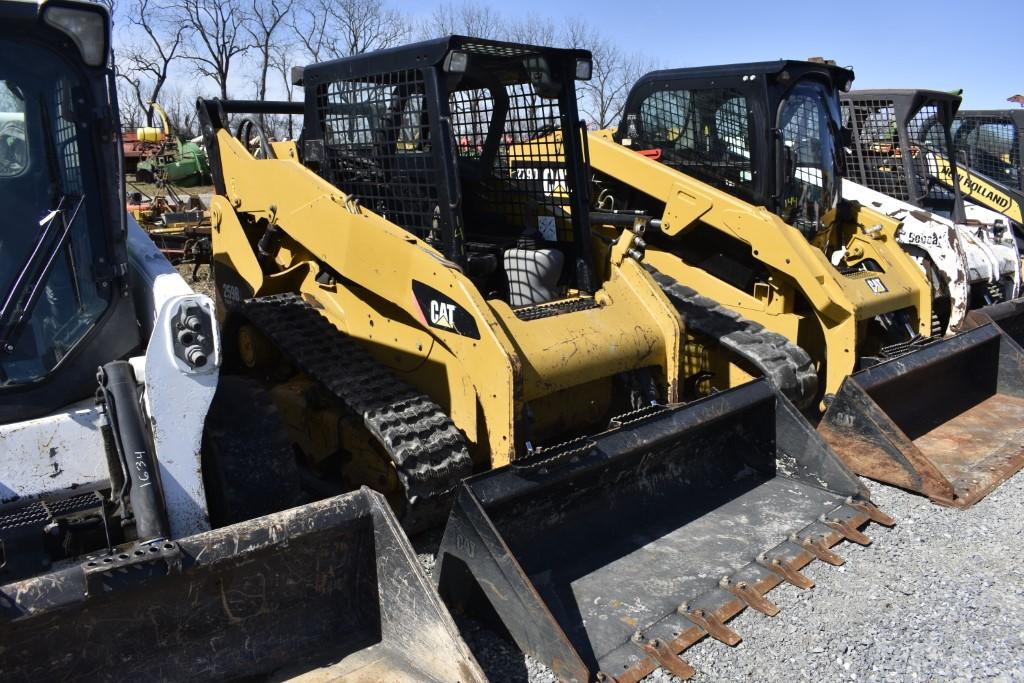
[
  {"x": 466, "y": 18},
  {"x": 308, "y": 25},
  {"x": 281, "y": 61},
  {"x": 532, "y": 29},
  {"x": 218, "y": 33},
  {"x": 267, "y": 22},
  {"x": 613, "y": 74},
  {"x": 145, "y": 64},
  {"x": 328, "y": 29},
  {"x": 128, "y": 108},
  {"x": 180, "y": 107},
  {"x": 365, "y": 25}
]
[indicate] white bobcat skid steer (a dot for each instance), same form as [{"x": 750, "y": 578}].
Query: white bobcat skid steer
[
  {"x": 969, "y": 264},
  {"x": 120, "y": 446}
]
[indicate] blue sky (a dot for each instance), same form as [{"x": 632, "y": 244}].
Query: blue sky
[{"x": 940, "y": 44}]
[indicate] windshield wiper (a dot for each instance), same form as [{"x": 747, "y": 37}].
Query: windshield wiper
[{"x": 21, "y": 300}]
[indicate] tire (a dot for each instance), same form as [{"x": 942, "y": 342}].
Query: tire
[{"x": 249, "y": 469}]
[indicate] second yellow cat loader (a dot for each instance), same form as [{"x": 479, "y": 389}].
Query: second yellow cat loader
[
  {"x": 434, "y": 324},
  {"x": 741, "y": 167}
]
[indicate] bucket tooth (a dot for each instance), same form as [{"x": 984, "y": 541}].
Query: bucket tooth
[
  {"x": 817, "y": 547},
  {"x": 848, "y": 530},
  {"x": 668, "y": 660},
  {"x": 872, "y": 511},
  {"x": 782, "y": 568},
  {"x": 750, "y": 597},
  {"x": 710, "y": 622}
]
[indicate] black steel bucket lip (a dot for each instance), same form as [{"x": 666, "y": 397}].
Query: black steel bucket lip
[
  {"x": 67, "y": 586},
  {"x": 675, "y": 634},
  {"x": 524, "y": 475},
  {"x": 940, "y": 349}
]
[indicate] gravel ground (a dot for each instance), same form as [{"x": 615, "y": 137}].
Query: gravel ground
[{"x": 938, "y": 597}]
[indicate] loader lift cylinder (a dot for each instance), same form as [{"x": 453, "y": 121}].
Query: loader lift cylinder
[{"x": 122, "y": 401}]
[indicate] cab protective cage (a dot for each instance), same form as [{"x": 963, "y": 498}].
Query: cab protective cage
[
  {"x": 765, "y": 86},
  {"x": 888, "y": 130},
  {"x": 404, "y": 130},
  {"x": 990, "y": 142}
]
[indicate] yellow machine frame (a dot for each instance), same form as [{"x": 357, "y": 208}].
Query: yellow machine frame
[
  {"x": 840, "y": 305},
  {"x": 562, "y": 365}
]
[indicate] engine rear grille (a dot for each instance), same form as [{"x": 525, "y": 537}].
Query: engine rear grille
[{"x": 40, "y": 512}]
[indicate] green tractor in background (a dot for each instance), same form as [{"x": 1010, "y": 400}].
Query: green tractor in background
[{"x": 177, "y": 161}]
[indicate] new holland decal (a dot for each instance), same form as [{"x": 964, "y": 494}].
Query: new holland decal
[
  {"x": 443, "y": 313},
  {"x": 977, "y": 189}
]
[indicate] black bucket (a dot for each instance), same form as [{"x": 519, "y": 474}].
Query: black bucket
[
  {"x": 1007, "y": 316},
  {"x": 332, "y": 589},
  {"x": 613, "y": 555}
]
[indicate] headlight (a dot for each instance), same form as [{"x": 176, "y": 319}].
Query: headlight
[
  {"x": 86, "y": 27},
  {"x": 584, "y": 69},
  {"x": 456, "y": 62}
]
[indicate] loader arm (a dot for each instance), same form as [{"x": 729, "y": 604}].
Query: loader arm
[
  {"x": 303, "y": 214},
  {"x": 839, "y": 302}
]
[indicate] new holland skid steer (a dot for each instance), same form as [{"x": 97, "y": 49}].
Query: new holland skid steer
[
  {"x": 988, "y": 163},
  {"x": 114, "y": 463},
  {"x": 989, "y": 142},
  {"x": 741, "y": 167},
  {"x": 897, "y": 148},
  {"x": 988, "y": 154},
  {"x": 423, "y": 310}
]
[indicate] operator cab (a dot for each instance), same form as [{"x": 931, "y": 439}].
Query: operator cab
[
  {"x": 990, "y": 142},
  {"x": 474, "y": 146},
  {"x": 766, "y": 132},
  {"x": 898, "y": 141},
  {"x": 64, "y": 308}
]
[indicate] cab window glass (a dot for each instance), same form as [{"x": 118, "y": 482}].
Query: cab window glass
[
  {"x": 53, "y": 240},
  {"x": 810, "y": 164},
  {"x": 13, "y": 145},
  {"x": 704, "y": 132}
]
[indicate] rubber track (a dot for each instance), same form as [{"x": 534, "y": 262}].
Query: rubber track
[
  {"x": 428, "y": 450},
  {"x": 785, "y": 364}
]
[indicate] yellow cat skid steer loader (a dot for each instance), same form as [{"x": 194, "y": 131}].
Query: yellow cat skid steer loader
[
  {"x": 109, "y": 567},
  {"x": 422, "y": 311},
  {"x": 740, "y": 168}
]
